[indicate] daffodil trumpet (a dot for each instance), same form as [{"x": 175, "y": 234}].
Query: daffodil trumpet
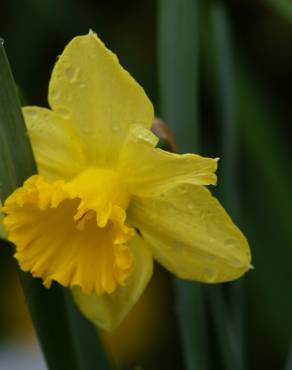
[{"x": 107, "y": 201}]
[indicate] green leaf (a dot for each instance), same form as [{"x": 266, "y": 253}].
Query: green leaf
[
  {"x": 282, "y": 7},
  {"x": 268, "y": 204},
  {"x": 191, "y": 311},
  {"x": 228, "y": 323},
  {"x": 17, "y": 162},
  {"x": 67, "y": 339},
  {"x": 178, "y": 69},
  {"x": 178, "y": 84},
  {"x": 288, "y": 365},
  {"x": 90, "y": 351}
]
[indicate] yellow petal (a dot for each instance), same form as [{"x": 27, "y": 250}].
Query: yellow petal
[
  {"x": 191, "y": 234},
  {"x": 98, "y": 97},
  {"x": 63, "y": 235},
  {"x": 55, "y": 144},
  {"x": 150, "y": 170},
  {"x": 108, "y": 310}
]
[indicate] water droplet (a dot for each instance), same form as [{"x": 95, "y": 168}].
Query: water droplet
[
  {"x": 115, "y": 127},
  {"x": 146, "y": 137},
  {"x": 55, "y": 94},
  {"x": 183, "y": 188},
  {"x": 176, "y": 245},
  {"x": 64, "y": 112},
  {"x": 230, "y": 243},
  {"x": 85, "y": 130},
  {"x": 211, "y": 257},
  {"x": 190, "y": 206},
  {"x": 172, "y": 211},
  {"x": 236, "y": 262},
  {"x": 247, "y": 253},
  {"x": 72, "y": 73},
  {"x": 210, "y": 275},
  {"x": 32, "y": 113}
]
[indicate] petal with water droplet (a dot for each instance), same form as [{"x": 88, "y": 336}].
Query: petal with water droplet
[
  {"x": 201, "y": 231},
  {"x": 99, "y": 94},
  {"x": 150, "y": 170},
  {"x": 55, "y": 144}
]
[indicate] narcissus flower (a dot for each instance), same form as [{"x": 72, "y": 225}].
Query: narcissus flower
[{"x": 106, "y": 200}]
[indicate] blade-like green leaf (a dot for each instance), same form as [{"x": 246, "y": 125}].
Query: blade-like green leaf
[
  {"x": 17, "y": 162},
  {"x": 288, "y": 365},
  {"x": 227, "y": 340},
  {"x": 191, "y": 311},
  {"x": 228, "y": 323},
  {"x": 178, "y": 84},
  {"x": 282, "y": 7},
  {"x": 178, "y": 69},
  {"x": 268, "y": 204},
  {"x": 89, "y": 349},
  {"x": 51, "y": 310}
]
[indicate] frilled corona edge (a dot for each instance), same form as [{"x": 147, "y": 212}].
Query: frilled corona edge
[{"x": 61, "y": 236}]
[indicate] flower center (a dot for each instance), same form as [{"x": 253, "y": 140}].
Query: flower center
[{"x": 73, "y": 232}]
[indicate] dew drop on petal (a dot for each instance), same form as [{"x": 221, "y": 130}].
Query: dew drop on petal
[
  {"x": 81, "y": 85},
  {"x": 211, "y": 257},
  {"x": 190, "y": 206},
  {"x": 115, "y": 127},
  {"x": 236, "y": 262},
  {"x": 247, "y": 253},
  {"x": 64, "y": 112},
  {"x": 32, "y": 113},
  {"x": 210, "y": 275},
  {"x": 146, "y": 136},
  {"x": 183, "y": 189},
  {"x": 55, "y": 94},
  {"x": 72, "y": 73},
  {"x": 230, "y": 243},
  {"x": 85, "y": 130},
  {"x": 176, "y": 245}
]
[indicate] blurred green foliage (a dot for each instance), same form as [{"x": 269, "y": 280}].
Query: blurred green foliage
[{"x": 243, "y": 100}]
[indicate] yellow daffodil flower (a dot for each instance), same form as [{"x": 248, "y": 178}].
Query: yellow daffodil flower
[{"x": 106, "y": 200}]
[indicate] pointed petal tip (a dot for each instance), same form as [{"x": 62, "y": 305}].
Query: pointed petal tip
[{"x": 91, "y": 32}]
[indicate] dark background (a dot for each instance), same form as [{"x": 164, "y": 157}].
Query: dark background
[{"x": 35, "y": 32}]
